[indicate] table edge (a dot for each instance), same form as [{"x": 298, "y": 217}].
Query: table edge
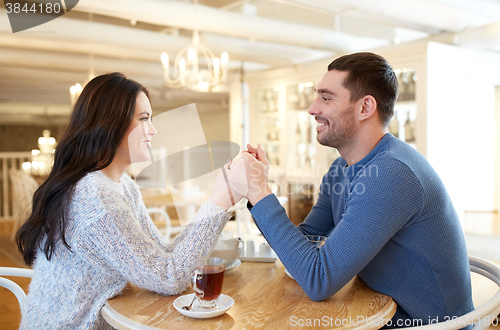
[
  {"x": 120, "y": 321},
  {"x": 387, "y": 314}
]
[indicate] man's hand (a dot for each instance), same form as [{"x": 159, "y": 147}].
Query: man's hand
[
  {"x": 257, "y": 170},
  {"x": 253, "y": 151}
]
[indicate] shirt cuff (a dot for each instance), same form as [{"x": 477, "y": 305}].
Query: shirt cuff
[{"x": 265, "y": 205}]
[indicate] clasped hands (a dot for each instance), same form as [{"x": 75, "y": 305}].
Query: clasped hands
[{"x": 247, "y": 176}]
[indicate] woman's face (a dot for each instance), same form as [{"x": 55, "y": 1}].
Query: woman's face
[{"x": 137, "y": 139}]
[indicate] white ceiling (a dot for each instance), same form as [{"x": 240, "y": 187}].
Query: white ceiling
[{"x": 37, "y": 66}]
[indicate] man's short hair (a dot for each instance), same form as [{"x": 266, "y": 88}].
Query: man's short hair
[{"x": 370, "y": 74}]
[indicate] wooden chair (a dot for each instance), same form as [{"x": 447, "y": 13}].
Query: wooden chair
[
  {"x": 23, "y": 189},
  {"x": 481, "y": 316}
]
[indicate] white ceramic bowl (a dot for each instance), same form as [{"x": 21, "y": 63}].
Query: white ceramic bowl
[
  {"x": 229, "y": 255},
  {"x": 228, "y": 250}
]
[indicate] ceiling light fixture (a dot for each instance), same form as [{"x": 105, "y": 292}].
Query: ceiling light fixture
[
  {"x": 186, "y": 72},
  {"x": 75, "y": 92},
  {"x": 77, "y": 89}
]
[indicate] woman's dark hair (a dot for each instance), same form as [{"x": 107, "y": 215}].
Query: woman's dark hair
[
  {"x": 100, "y": 118},
  {"x": 370, "y": 74}
]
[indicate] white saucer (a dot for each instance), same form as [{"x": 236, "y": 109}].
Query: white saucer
[
  {"x": 290, "y": 275},
  {"x": 223, "y": 304},
  {"x": 232, "y": 266}
]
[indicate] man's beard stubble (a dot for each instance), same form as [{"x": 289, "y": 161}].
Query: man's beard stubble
[{"x": 342, "y": 133}]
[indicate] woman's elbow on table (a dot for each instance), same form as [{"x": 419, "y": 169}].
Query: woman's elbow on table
[
  {"x": 170, "y": 291},
  {"x": 181, "y": 287},
  {"x": 168, "y": 286}
]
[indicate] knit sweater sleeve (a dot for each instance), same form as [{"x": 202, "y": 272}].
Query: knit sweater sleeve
[
  {"x": 371, "y": 218},
  {"x": 116, "y": 243}
]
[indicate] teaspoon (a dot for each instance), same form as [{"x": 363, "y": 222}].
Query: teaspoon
[{"x": 188, "y": 308}]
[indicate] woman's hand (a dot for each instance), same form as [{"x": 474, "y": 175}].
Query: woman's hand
[
  {"x": 236, "y": 184},
  {"x": 237, "y": 179}
]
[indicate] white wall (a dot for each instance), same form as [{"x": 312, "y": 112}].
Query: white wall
[
  {"x": 461, "y": 125},
  {"x": 497, "y": 149}
]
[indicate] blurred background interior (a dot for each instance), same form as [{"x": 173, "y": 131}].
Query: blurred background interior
[{"x": 250, "y": 67}]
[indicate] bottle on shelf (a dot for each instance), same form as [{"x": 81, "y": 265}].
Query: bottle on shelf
[
  {"x": 409, "y": 131},
  {"x": 411, "y": 86},
  {"x": 298, "y": 134},
  {"x": 309, "y": 132}
]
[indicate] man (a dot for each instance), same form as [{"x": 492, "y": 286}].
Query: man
[{"x": 385, "y": 211}]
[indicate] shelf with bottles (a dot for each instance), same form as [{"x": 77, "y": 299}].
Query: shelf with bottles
[
  {"x": 300, "y": 96},
  {"x": 300, "y": 139},
  {"x": 403, "y": 124},
  {"x": 271, "y": 138},
  {"x": 269, "y": 122},
  {"x": 300, "y": 126},
  {"x": 267, "y": 100},
  {"x": 272, "y": 128},
  {"x": 407, "y": 80},
  {"x": 272, "y": 150}
]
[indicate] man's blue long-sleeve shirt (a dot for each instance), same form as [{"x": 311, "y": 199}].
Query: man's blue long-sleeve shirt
[{"x": 388, "y": 219}]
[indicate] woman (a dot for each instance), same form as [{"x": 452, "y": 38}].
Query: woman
[{"x": 89, "y": 232}]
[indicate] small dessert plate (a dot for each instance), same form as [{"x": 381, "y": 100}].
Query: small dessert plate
[
  {"x": 223, "y": 304},
  {"x": 232, "y": 266}
]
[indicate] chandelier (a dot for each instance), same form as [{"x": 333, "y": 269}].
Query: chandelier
[
  {"x": 77, "y": 88},
  {"x": 75, "y": 92},
  {"x": 186, "y": 72},
  {"x": 42, "y": 159}
]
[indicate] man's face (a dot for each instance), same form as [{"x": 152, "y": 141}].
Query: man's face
[{"x": 334, "y": 111}]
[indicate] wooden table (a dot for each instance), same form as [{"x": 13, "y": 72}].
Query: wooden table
[{"x": 265, "y": 298}]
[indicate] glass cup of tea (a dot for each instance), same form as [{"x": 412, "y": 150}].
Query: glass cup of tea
[
  {"x": 207, "y": 279},
  {"x": 317, "y": 240}
]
